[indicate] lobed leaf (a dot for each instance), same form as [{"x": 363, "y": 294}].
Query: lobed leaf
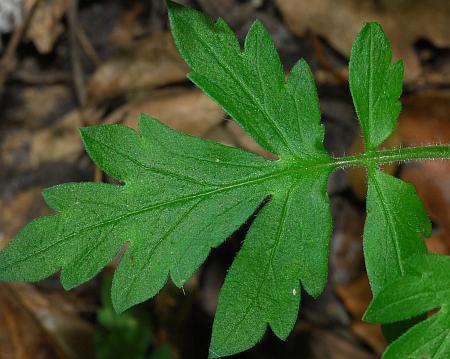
[
  {"x": 396, "y": 222},
  {"x": 426, "y": 287},
  {"x": 282, "y": 117},
  {"x": 375, "y": 84},
  {"x": 396, "y": 226},
  {"x": 173, "y": 208},
  {"x": 182, "y": 196},
  {"x": 287, "y": 241}
]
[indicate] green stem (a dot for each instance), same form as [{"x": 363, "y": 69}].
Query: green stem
[{"x": 386, "y": 156}]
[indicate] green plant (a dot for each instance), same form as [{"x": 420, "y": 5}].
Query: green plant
[
  {"x": 184, "y": 195},
  {"x": 125, "y": 335},
  {"x": 425, "y": 287},
  {"x": 121, "y": 335}
]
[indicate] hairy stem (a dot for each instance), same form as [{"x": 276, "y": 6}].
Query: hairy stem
[{"x": 372, "y": 158}]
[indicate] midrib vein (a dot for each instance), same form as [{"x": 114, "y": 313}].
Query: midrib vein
[
  {"x": 273, "y": 250},
  {"x": 370, "y": 88},
  {"x": 138, "y": 274},
  {"x": 391, "y": 227},
  {"x": 146, "y": 209},
  {"x": 237, "y": 184},
  {"x": 305, "y": 166}
]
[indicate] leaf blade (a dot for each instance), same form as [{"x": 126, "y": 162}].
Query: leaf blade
[
  {"x": 395, "y": 228},
  {"x": 424, "y": 289},
  {"x": 248, "y": 84},
  {"x": 263, "y": 285},
  {"x": 96, "y": 220},
  {"x": 375, "y": 84}
]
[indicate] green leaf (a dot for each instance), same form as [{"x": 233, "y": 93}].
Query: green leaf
[
  {"x": 282, "y": 117},
  {"x": 182, "y": 196},
  {"x": 390, "y": 235},
  {"x": 396, "y": 226},
  {"x": 426, "y": 287},
  {"x": 262, "y": 285},
  {"x": 375, "y": 84},
  {"x": 173, "y": 208}
]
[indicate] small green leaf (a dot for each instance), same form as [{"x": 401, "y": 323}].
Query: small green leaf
[
  {"x": 426, "y": 287},
  {"x": 375, "y": 84},
  {"x": 395, "y": 228},
  {"x": 282, "y": 117}
]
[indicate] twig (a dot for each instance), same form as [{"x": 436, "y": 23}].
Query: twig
[
  {"x": 8, "y": 61},
  {"x": 77, "y": 69},
  {"x": 87, "y": 47},
  {"x": 11, "y": 293},
  {"x": 98, "y": 175}
]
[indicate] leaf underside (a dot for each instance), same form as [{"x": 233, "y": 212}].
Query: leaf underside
[{"x": 182, "y": 196}]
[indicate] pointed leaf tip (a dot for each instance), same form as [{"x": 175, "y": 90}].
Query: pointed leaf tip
[
  {"x": 213, "y": 355},
  {"x": 173, "y": 7}
]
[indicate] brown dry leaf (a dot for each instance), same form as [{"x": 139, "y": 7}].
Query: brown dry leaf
[
  {"x": 18, "y": 211},
  {"x": 220, "y": 134},
  {"x": 235, "y": 13},
  {"x": 60, "y": 142},
  {"x": 152, "y": 62},
  {"x": 356, "y": 297},
  {"x": 325, "y": 344},
  {"x": 60, "y": 319},
  {"x": 405, "y": 22},
  {"x": 22, "y": 149},
  {"x": 189, "y": 111},
  {"x": 346, "y": 257},
  {"x": 244, "y": 140},
  {"x": 46, "y": 24},
  {"x": 436, "y": 75},
  {"x": 38, "y": 105},
  {"x": 15, "y": 150},
  {"x": 350, "y": 280},
  {"x": 128, "y": 26},
  {"x": 330, "y": 76},
  {"x": 425, "y": 118},
  {"x": 44, "y": 325},
  {"x": 21, "y": 335}
]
